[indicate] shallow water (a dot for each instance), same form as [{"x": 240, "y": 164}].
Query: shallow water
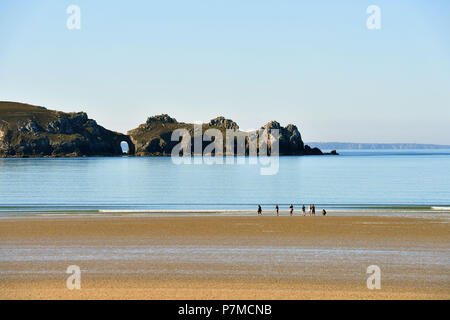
[{"x": 405, "y": 264}]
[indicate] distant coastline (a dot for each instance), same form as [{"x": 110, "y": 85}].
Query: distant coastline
[{"x": 374, "y": 146}]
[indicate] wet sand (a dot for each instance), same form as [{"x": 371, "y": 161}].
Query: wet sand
[{"x": 225, "y": 257}]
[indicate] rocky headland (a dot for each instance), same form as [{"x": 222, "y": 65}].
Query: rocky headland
[
  {"x": 27, "y": 130},
  {"x": 154, "y": 136},
  {"x": 33, "y": 131}
]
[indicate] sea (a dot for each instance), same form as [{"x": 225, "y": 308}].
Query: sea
[{"x": 364, "y": 181}]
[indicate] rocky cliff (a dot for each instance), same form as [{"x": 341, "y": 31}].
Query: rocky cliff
[
  {"x": 27, "y": 130},
  {"x": 154, "y": 136}
]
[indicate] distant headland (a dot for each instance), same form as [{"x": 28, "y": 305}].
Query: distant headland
[
  {"x": 375, "y": 146},
  {"x": 33, "y": 131}
]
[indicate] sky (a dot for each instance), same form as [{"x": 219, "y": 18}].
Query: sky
[{"x": 311, "y": 63}]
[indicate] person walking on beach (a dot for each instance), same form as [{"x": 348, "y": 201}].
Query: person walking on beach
[
  {"x": 304, "y": 210},
  {"x": 324, "y": 213},
  {"x": 309, "y": 210},
  {"x": 277, "y": 210},
  {"x": 259, "y": 210},
  {"x": 291, "y": 209},
  {"x": 313, "y": 210}
]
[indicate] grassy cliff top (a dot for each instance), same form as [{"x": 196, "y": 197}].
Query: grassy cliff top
[{"x": 13, "y": 112}]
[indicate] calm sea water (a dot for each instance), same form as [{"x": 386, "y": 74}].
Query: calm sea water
[{"x": 353, "y": 179}]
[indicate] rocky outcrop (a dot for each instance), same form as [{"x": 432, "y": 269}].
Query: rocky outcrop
[
  {"x": 153, "y": 138},
  {"x": 163, "y": 118},
  {"x": 289, "y": 139},
  {"x": 27, "y": 130},
  {"x": 221, "y": 122}
]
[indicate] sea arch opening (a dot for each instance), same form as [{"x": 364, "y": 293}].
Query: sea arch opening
[{"x": 125, "y": 147}]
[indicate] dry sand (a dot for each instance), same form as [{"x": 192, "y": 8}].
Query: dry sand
[{"x": 225, "y": 257}]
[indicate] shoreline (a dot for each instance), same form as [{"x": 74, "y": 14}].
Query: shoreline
[
  {"x": 225, "y": 257},
  {"x": 143, "y": 210},
  {"x": 443, "y": 213}
]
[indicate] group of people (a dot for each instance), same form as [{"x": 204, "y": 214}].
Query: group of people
[{"x": 311, "y": 210}]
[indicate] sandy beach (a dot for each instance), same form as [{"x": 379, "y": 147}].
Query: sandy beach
[{"x": 225, "y": 257}]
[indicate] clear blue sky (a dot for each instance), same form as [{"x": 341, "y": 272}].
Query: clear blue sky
[{"x": 311, "y": 63}]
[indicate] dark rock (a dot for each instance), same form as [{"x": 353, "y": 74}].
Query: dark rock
[
  {"x": 290, "y": 139},
  {"x": 223, "y": 123},
  {"x": 272, "y": 125},
  {"x": 154, "y": 137},
  {"x": 27, "y": 130},
  {"x": 30, "y": 127},
  {"x": 312, "y": 151},
  {"x": 162, "y": 118}
]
